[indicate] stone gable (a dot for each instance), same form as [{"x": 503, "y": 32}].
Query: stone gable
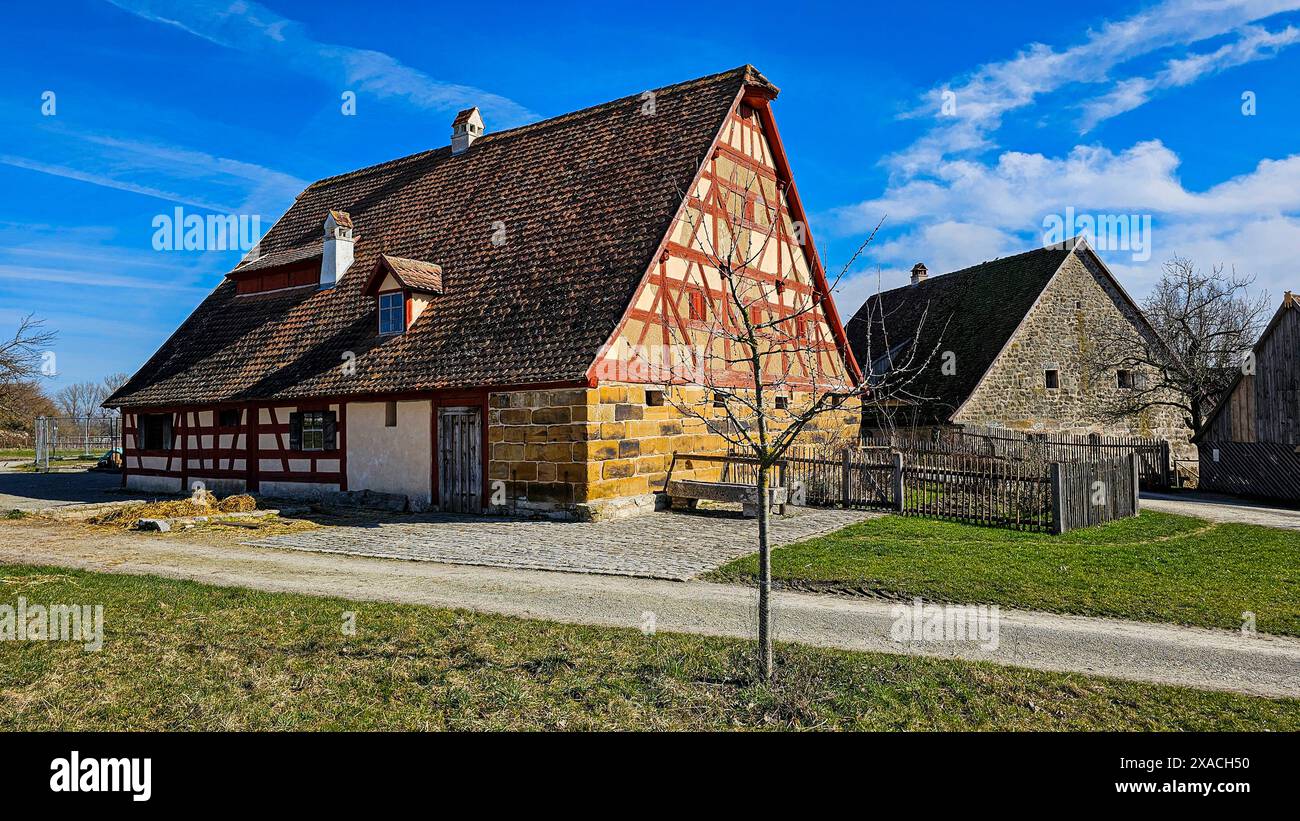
[{"x": 1057, "y": 334}]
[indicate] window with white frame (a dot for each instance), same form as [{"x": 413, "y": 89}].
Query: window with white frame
[
  {"x": 313, "y": 430},
  {"x": 392, "y": 313}
]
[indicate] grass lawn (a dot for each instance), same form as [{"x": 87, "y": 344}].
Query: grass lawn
[
  {"x": 28, "y": 453},
  {"x": 1155, "y": 567},
  {"x": 179, "y": 655}
]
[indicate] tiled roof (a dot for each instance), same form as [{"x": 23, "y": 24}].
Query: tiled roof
[
  {"x": 412, "y": 274},
  {"x": 342, "y": 218},
  {"x": 462, "y": 116},
  {"x": 543, "y": 232},
  {"x": 971, "y": 312}
]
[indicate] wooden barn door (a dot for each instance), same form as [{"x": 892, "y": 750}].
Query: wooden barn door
[{"x": 460, "y": 477}]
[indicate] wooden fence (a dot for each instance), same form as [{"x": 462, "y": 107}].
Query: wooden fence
[
  {"x": 1092, "y": 493},
  {"x": 988, "y": 490},
  {"x": 977, "y": 489},
  {"x": 1155, "y": 464},
  {"x": 851, "y": 477}
]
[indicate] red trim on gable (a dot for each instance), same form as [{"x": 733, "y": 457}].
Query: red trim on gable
[{"x": 760, "y": 100}]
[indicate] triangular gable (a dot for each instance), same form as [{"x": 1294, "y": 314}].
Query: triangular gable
[
  {"x": 654, "y": 300},
  {"x": 1076, "y": 245}
]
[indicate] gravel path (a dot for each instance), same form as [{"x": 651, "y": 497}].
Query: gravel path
[
  {"x": 1222, "y": 509},
  {"x": 663, "y": 545},
  {"x": 1260, "y": 665}
]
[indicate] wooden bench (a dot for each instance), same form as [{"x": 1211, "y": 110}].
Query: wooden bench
[{"x": 691, "y": 491}]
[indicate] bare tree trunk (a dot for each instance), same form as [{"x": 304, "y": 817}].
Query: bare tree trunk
[{"x": 764, "y": 581}]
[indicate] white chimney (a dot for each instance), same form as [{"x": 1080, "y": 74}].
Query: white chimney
[
  {"x": 336, "y": 256},
  {"x": 918, "y": 273},
  {"x": 465, "y": 129}
]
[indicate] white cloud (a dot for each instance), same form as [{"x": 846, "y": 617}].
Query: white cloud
[
  {"x": 163, "y": 171},
  {"x": 105, "y": 181},
  {"x": 255, "y": 29},
  {"x": 1255, "y": 43},
  {"x": 994, "y": 89},
  {"x": 950, "y": 204}
]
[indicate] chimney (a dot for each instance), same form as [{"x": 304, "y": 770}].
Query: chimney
[
  {"x": 336, "y": 256},
  {"x": 465, "y": 129},
  {"x": 918, "y": 273}
]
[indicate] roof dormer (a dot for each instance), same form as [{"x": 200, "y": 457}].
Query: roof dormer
[{"x": 403, "y": 288}]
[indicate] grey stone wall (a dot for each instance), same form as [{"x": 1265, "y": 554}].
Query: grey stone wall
[{"x": 1057, "y": 334}]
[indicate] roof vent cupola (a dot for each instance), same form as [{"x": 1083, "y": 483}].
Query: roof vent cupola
[
  {"x": 465, "y": 129},
  {"x": 336, "y": 256},
  {"x": 918, "y": 273}
]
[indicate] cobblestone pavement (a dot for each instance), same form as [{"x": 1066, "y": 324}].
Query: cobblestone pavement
[{"x": 665, "y": 545}]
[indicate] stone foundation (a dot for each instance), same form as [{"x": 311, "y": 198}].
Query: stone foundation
[{"x": 574, "y": 451}]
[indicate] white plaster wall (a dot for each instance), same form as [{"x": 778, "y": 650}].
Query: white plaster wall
[
  {"x": 390, "y": 460},
  {"x": 154, "y": 484}
]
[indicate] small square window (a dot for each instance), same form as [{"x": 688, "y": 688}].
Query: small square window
[
  {"x": 719, "y": 399},
  {"x": 782, "y": 402},
  {"x": 392, "y": 313},
  {"x": 228, "y": 418},
  {"x": 654, "y": 398},
  {"x": 1124, "y": 380},
  {"x": 390, "y": 414},
  {"x": 1052, "y": 378}
]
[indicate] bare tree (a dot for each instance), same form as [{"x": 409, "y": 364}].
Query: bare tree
[
  {"x": 1206, "y": 323},
  {"x": 749, "y": 326},
  {"x": 108, "y": 386},
  {"x": 21, "y": 358},
  {"x": 78, "y": 399}
]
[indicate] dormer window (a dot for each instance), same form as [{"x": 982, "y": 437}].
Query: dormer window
[
  {"x": 392, "y": 312},
  {"x": 404, "y": 289}
]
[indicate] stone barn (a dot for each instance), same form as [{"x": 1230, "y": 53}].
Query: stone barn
[
  {"x": 466, "y": 326},
  {"x": 1007, "y": 344}
]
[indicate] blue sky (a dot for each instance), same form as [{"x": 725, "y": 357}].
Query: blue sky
[{"x": 233, "y": 107}]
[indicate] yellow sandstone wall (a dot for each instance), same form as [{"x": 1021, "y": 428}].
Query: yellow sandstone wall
[{"x": 580, "y": 449}]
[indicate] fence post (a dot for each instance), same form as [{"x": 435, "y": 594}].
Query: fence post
[
  {"x": 1058, "y": 499},
  {"x": 898, "y": 481},
  {"x": 846, "y": 478},
  {"x": 1164, "y": 463},
  {"x": 1136, "y": 465}
]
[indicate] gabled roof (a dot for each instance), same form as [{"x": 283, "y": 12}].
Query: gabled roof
[
  {"x": 411, "y": 274},
  {"x": 1289, "y": 303},
  {"x": 577, "y": 205},
  {"x": 972, "y": 312}
]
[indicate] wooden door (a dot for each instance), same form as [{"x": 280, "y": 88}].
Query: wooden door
[{"x": 460, "y": 477}]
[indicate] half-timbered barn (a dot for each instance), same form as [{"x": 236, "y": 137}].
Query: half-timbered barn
[
  {"x": 1250, "y": 444},
  {"x": 463, "y": 326}
]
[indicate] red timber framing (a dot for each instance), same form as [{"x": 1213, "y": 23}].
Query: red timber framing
[
  {"x": 217, "y": 460},
  {"x": 204, "y": 449},
  {"x": 751, "y": 113}
]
